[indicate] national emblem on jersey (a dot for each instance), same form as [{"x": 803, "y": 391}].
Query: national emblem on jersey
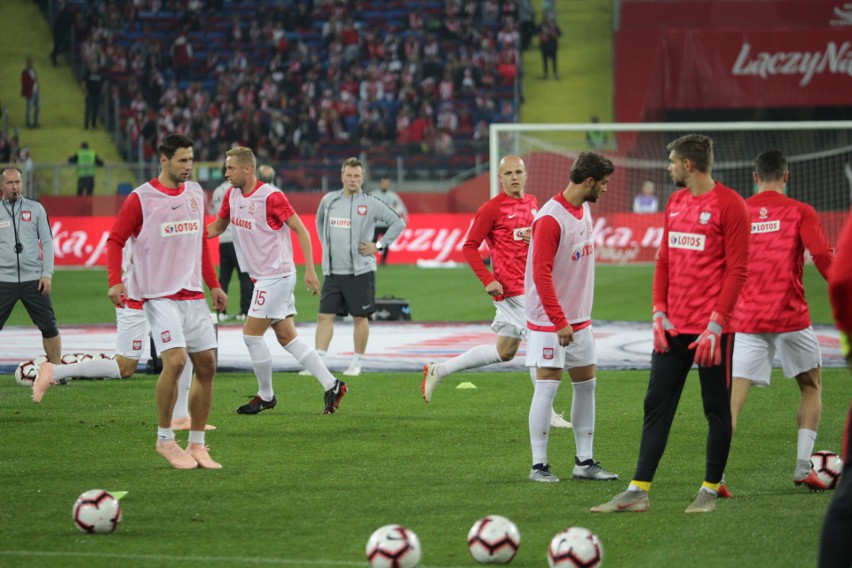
[
  {"x": 251, "y": 208},
  {"x": 764, "y": 213},
  {"x": 193, "y": 205},
  {"x": 137, "y": 345},
  {"x": 26, "y": 215},
  {"x": 547, "y": 353},
  {"x": 166, "y": 336},
  {"x": 362, "y": 210},
  {"x": 704, "y": 217}
]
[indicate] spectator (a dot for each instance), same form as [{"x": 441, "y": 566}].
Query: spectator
[
  {"x": 596, "y": 138},
  {"x": 86, "y": 160},
  {"x": 62, "y": 25},
  {"x": 646, "y": 202},
  {"x": 548, "y": 42},
  {"x": 30, "y": 92},
  {"x": 93, "y": 83},
  {"x": 181, "y": 56}
]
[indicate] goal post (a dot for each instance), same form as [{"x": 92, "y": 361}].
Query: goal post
[{"x": 819, "y": 154}]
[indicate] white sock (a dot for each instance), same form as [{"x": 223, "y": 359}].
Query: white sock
[
  {"x": 261, "y": 362},
  {"x": 474, "y": 357},
  {"x": 89, "y": 369},
  {"x": 165, "y": 434},
  {"x": 534, "y": 378},
  {"x": 356, "y": 359},
  {"x": 181, "y": 409},
  {"x": 539, "y": 419},
  {"x": 583, "y": 418},
  {"x": 196, "y": 437},
  {"x": 805, "y": 446},
  {"x": 310, "y": 360}
]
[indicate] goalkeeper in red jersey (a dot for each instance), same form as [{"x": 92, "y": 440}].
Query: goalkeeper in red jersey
[
  {"x": 835, "y": 545},
  {"x": 701, "y": 267},
  {"x": 772, "y": 314}
]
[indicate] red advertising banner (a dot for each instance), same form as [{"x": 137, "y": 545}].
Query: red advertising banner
[
  {"x": 743, "y": 54},
  {"x": 760, "y": 14},
  {"x": 434, "y": 238}
]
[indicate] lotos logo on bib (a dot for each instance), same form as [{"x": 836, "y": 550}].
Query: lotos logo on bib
[
  {"x": 340, "y": 223},
  {"x": 519, "y": 233},
  {"x": 689, "y": 241},
  {"x": 765, "y": 227},
  {"x": 176, "y": 228}
]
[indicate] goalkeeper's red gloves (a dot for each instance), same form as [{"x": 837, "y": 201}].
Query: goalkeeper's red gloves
[
  {"x": 708, "y": 346},
  {"x": 662, "y": 326}
]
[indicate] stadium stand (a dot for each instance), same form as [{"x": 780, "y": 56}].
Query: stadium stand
[{"x": 309, "y": 83}]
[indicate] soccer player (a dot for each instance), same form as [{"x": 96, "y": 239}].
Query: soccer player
[
  {"x": 701, "y": 268},
  {"x": 131, "y": 335},
  {"x": 835, "y": 545},
  {"x": 164, "y": 220},
  {"x": 346, "y": 221},
  {"x": 504, "y": 223},
  {"x": 228, "y": 258},
  {"x": 260, "y": 217},
  {"x": 560, "y": 280},
  {"x": 772, "y": 314}
]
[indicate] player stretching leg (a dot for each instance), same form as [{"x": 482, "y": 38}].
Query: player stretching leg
[
  {"x": 560, "y": 282},
  {"x": 261, "y": 218},
  {"x": 503, "y": 222},
  {"x": 701, "y": 268}
]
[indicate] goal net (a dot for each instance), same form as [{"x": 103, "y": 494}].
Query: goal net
[{"x": 819, "y": 156}]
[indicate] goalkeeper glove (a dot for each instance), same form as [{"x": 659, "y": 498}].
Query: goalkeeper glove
[
  {"x": 662, "y": 326},
  {"x": 708, "y": 346}
]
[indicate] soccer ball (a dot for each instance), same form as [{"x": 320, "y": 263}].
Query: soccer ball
[
  {"x": 96, "y": 511},
  {"x": 575, "y": 547},
  {"x": 493, "y": 540},
  {"x": 827, "y": 467},
  {"x": 393, "y": 546},
  {"x": 25, "y": 373},
  {"x": 69, "y": 359}
]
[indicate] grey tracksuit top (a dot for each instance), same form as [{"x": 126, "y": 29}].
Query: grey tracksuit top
[{"x": 342, "y": 222}]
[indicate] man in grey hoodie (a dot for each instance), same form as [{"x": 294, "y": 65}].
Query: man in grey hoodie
[{"x": 346, "y": 220}]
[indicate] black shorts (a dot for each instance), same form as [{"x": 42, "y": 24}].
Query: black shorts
[
  {"x": 39, "y": 307},
  {"x": 348, "y": 294}
]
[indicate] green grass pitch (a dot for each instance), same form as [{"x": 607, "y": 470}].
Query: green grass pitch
[{"x": 302, "y": 489}]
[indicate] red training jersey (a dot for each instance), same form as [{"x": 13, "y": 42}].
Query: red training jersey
[
  {"x": 840, "y": 280},
  {"x": 702, "y": 263},
  {"x": 773, "y": 298},
  {"x": 501, "y": 223}
]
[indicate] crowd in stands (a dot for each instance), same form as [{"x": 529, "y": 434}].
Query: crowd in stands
[{"x": 310, "y": 81}]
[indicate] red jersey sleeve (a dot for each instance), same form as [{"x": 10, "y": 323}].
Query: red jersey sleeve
[
  {"x": 814, "y": 239},
  {"x": 127, "y": 223},
  {"x": 225, "y": 209},
  {"x": 661, "y": 270},
  {"x": 736, "y": 233},
  {"x": 547, "y": 233},
  {"x": 840, "y": 280},
  {"x": 278, "y": 210},
  {"x": 208, "y": 271},
  {"x": 482, "y": 224}
]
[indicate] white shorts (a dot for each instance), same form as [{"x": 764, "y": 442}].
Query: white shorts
[
  {"x": 511, "y": 318},
  {"x": 131, "y": 332},
  {"x": 754, "y": 352},
  {"x": 180, "y": 323},
  {"x": 544, "y": 351},
  {"x": 273, "y": 298}
]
